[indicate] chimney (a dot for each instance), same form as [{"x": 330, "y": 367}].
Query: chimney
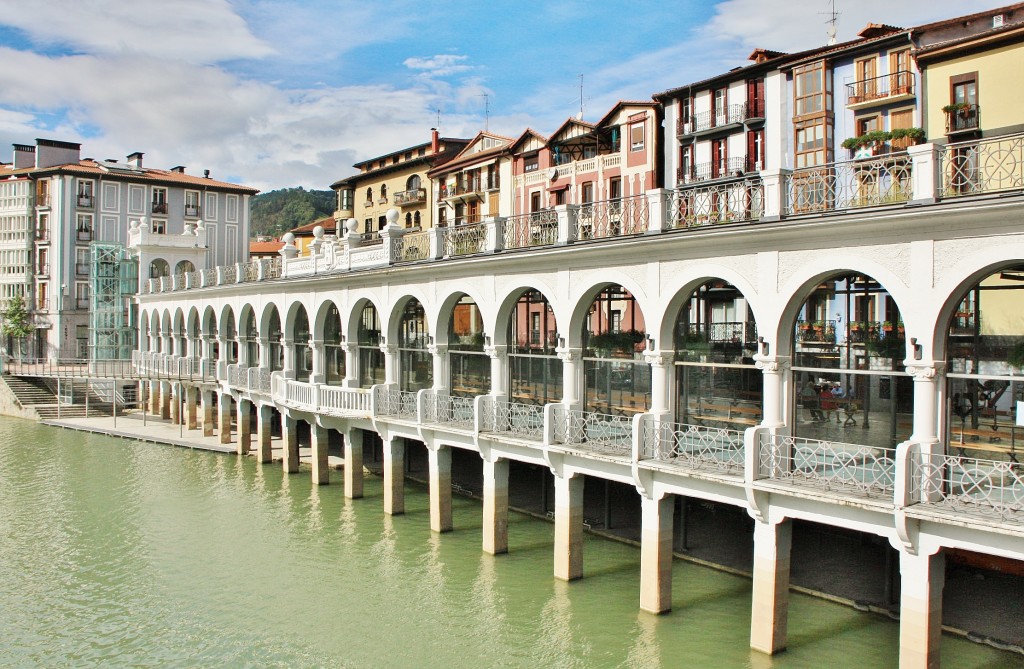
[
  {"x": 434, "y": 140},
  {"x": 178, "y": 169},
  {"x": 50, "y": 152},
  {"x": 206, "y": 174},
  {"x": 24, "y": 156},
  {"x": 135, "y": 159}
]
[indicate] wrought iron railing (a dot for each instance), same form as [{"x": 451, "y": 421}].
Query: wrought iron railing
[
  {"x": 867, "y": 182},
  {"x": 463, "y": 240},
  {"x": 613, "y": 218},
  {"x": 965, "y": 118},
  {"x": 251, "y": 271},
  {"x": 273, "y": 269},
  {"x": 693, "y": 446},
  {"x": 993, "y": 488},
  {"x": 209, "y": 276},
  {"x": 820, "y": 332},
  {"x": 412, "y": 246},
  {"x": 706, "y": 204},
  {"x": 826, "y": 465},
  {"x": 446, "y": 409},
  {"x": 883, "y": 86},
  {"x": 599, "y": 432},
  {"x": 539, "y": 228},
  {"x": 729, "y": 331},
  {"x": 730, "y": 167},
  {"x": 708, "y": 120},
  {"x": 395, "y": 402},
  {"x": 407, "y": 197},
  {"x": 983, "y": 166},
  {"x": 512, "y": 418}
]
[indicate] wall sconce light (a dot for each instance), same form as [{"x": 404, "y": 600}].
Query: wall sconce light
[
  {"x": 487, "y": 340},
  {"x": 342, "y": 339},
  {"x": 650, "y": 343},
  {"x": 430, "y": 340},
  {"x": 383, "y": 340},
  {"x": 763, "y": 345},
  {"x": 918, "y": 349},
  {"x": 561, "y": 341}
]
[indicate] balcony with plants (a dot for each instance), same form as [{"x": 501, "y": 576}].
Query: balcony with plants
[
  {"x": 410, "y": 198},
  {"x": 962, "y": 117},
  {"x": 884, "y": 89},
  {"x": 883, "y": 142}
]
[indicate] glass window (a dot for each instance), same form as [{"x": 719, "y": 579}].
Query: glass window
[
  {"x": 636, "y": 136},
  {"x": 617, "y": 380}
]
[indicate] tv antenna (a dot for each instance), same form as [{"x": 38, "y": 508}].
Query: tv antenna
[
  {"x": 833, "y": 19},
  {"x": 487, "y": 110},
  {"x": 580, "y": 115},
  {"x": 438, "y": 124}
]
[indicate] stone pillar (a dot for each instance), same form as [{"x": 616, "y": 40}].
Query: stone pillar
[
  {"x": 774, "y": 371},
  {"x": 353, "y": 463},
  {"x": 394, "y": 476},
  {"x": 922, "y": 580},
  {"x": 175, "y": 404},
  {"x": 319, "y": 436},
  {"x": 499, "y": 369},
  {"x": 224, "y": 417},
  {"x": 439, "y": 357},
  {"x": 927, "y": 379},
  {"x": 191, "y": 415},
  {"x": 318, "y": 374},
  {"x": 165, "y": 399},
  {"x": 244, "y": 427},
  {"x": 351, "y": 365},
  {"x": 264, "y": 432},
  {"x": 154, "y": 398},
  {"x": 661, "y": 380},
  {"x": 390, "y": 352},
  {"x": 207, "y": 413},
  {"x": 288, "y": 349},
  {"x": 440, "y": 460},
  {"x": 656, "y": 554},
  {"x": 571, "y": 384},
  {"x": 290, "y": 439},
  {"x": 568, "y": 527},
  {"x": 770, "y": 601},
  {"x": 496, "y": 506}
]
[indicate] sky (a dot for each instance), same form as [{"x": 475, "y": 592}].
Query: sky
[{"x": 284, "y": 93}]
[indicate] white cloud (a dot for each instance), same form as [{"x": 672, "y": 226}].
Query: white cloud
[
  {"x": 438, "y": 66},
  {"x": 199, "y": 31}
]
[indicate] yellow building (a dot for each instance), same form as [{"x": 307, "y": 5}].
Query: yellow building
[{"x": 395, "y": 180}]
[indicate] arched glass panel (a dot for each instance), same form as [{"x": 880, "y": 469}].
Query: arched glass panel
[
  {"x": 715, "y": 340},
  {"x": 274, "y": 345},
  {"x": 371, "y": 358},
  {"x": 210, "y": 330},
  {"x": 985, "y": 354},
  {"x": 416, "y": 365},
  {"x": 303, "y": 354},
  {"x": 252, "y": 340},
  {"x": 413, "y": 182},
  {"x": 159, "y": 268},
  {"x": 849, "y": 382},
  {"x": 470, "y": 366},
  {"x": 184, "y": 267},
  {"x": 193, "y": 338},
  {"x": 535, "y": 372},
  {"x": 334, "y": 352},
  {"x": 617, "y": 380},
  {"x": 232, "y": 336}
]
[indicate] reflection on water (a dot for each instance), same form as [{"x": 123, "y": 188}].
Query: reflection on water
[{"x": 115, "y": 554}]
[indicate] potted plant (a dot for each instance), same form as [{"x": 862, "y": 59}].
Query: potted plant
[
  {"x": 957, "y": 108},
  {"x": 907, "y": 136},
  {"x": 887, "y": 326},
  {"x": 1015, "y": 356}
]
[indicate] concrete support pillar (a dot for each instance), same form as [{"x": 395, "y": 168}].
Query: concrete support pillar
[
  {"x": 568, "y": 527},
  {"x": 264, "y": 432},
  {"x": 499, "y": 369},
  {"x": 165, "y": 400},
  {"x": 318, "y": 373},
  {"x": 928, "y": 377},
  {"x": 922, "y": 580},
  {"x": 440, "y": 463},
  {"x": 353, "y": 463},
  {"x": 770, "y": 601},
  {"x": 207, "y": 413},
  {"x": 244, "y": 426},
  {"x": 390, "y": 352},
  {"x": 656, "y": 554},
  {"x": 318, "y": 436},
  {"x": 175, "y": 404},
  {"x": 439, "y": 361},
  {"x": 191, "y": 415},
  {"x": 224, "y": 417},
  {"x": 661, "y": 380},
  {"x": 496, "y": 506},
  {"x": 290, "y": 439},
  {"x": 775, "y": 372},
  {"x": 571, "y": 377},
  {"x": 394, "y": 476},
  {"x": 154, "y": 398},
  {"x": 351, "y": 365}
]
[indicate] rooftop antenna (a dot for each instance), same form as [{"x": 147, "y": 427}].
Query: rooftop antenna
[
  {"x": 487, "y": 110},
  {"x": 833, "y": 18},
  {"x": 438, "y": 124},
  {"x": 579, "y": 116}
]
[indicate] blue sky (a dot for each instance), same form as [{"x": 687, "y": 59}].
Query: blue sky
[{"x": 276, "y": 93}]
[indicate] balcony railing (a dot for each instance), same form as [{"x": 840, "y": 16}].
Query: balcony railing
[
  {"x": 880, "y": 89},
  {"x": 983, "y": 166},
  {"x": 537, "y": 229},
  {"x": 725, "y": 332},
  {"x": 709, "y": 120},
  {"x": 406, "y": 198},
  {"x": 159, "y": 208},
  {"x": 992, "y": 488},
  {"x": 598, "y": 432},
  {"x": 850, "y": 184},
  {"x": 613, "y": 218},
  {"x": 85, "y": 201},
  {"x": 460, "y": 189},
  {"x": 816, "y": 332},
  {"x": 864, "y": 471},
  {"x": 719, "y": 202},
  {"x": 192, "y": 211},
  {"x": 412, "y": 246},
  {"x": 82, "y": 268},
  {"x": 460, "y": 240},
  {"x": 42, "y": 268},
  {"x": 964, "y": 119},
  {"x": 393, "y": 402},
  {"x": 84, "y": 235},
  {"x": 693, "y": 446},
  {"x": 512, "y": 418}
]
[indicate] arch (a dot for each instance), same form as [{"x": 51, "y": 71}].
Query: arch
[
  {"x": 193, "y": 332},
  {"x": 530, "y": 336},
  {"x": 679, "y": 287},
  {"x": 180, "y": 333},
  {"x": 248, "y": 332},
  {"x": 365, "y": 320},
  {"x": 612, "y": 332},
  {"x": 158, "y": 267},
  {"x": 469, "y": 365},
  {"x": 412, "y": 183},
  {"x": 144, "y": 331},
  {"x": 184, "y": 267},
  {"x": 299, "y": 334},
  {"x": 329, "y": 329},
  {"x": 581, "y": 303},
  {"x": 446, "y": 307},
  {"x": 272, "y": 333},
  {"x": 412, "y": 336},
  {"x": 230, "y": 332}
]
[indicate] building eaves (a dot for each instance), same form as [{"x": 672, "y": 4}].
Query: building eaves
[
  {"x": 453, "y": 146},
  {"x": 968, "y": 18},
  {"x": 625, "y": 103},
  {"x": 958, "y": 44},
  {"x": 95, "y": 169}
]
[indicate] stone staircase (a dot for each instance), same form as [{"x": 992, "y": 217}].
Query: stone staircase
[{"x": 37, "y": 394}]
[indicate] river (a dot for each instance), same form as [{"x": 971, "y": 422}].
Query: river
[{"x": 120, "y": 553}]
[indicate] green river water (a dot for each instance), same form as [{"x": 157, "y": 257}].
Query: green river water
[{"x": 118, "y": 553}]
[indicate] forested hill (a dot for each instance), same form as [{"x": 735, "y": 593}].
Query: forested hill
[{"x": 278, "y": 211}]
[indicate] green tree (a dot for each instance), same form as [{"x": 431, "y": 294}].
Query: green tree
[
  {"x": 14, "y": 320},
  {"x": 278, "y": 211}
]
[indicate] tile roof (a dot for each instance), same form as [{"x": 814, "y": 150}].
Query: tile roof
[{"x": 97, "y": 168}]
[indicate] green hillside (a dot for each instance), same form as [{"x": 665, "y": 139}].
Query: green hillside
[{"x": 278, "y": 211}]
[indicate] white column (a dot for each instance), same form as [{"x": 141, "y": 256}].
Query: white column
[
  {"x": 568, "y": 527},
  {"x": 264, "y": 432},
  {"x": 770, "y": 600},
  {"x": 290, "y": 439},
  {"x": 775, "y": 372},
  {"x": 439, "y": 357},
  {"x": 571, "y": 390},
  {"x": 288, "y": 347},
  {"x": 661, "y": 380},
  {"x": 927, "y": 376},
  {"x": 656, "y": 554},
  {"x": 191, "y": 417},
  {"x": 319, "y": 437},
  {"x": 165, "y": 399},
  {"x": 224, "y": 416},
  {"x": 495, "y": 528},
  {"x": 390, "y": 352},
  {"x": 207, "y": 396},
  {"x": 353, "y": 463},
  {"x": 440, "y": 463},
  {"x": 244, "y": 426},
  {"x": 394, "y": 476},
  {"x": 499, "y": 369},
  {"x": 351, "y": 365},
  {"x": 318, "y": 373},
  {"x": 922, "y": 580}
]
